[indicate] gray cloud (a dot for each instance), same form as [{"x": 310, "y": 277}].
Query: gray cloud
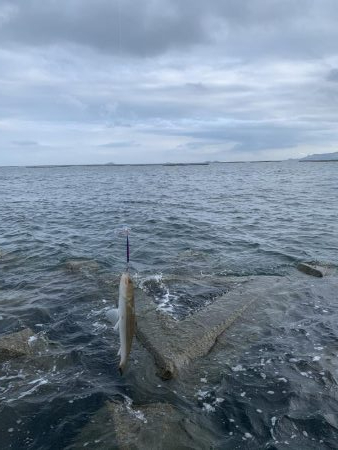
[
  {"x": 140, "y": 28},
  {"x": 333, "y": 75},
  {"x": 243, "y": 136},
  {"x": 26, "y": 143},
  {"x": 140, "y": 81},
  {"x": 143, "y": 28},
  {"x": 121, "y": 144}
]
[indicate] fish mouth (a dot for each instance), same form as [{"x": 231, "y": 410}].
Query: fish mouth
[{"x": 121, "y": 368}]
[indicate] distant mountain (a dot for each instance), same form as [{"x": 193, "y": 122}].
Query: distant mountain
[{"x": 322, "y": 157}]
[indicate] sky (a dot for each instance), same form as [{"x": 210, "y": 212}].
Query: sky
[{"x": 152, "y": 81}]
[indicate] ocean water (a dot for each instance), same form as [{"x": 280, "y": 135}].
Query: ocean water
[{"x": 191, "y": 227}]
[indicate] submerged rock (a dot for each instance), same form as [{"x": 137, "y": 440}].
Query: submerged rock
[
  {"x": 313, "y": 270},
  {"x": 140, "y": 427},
  {"x": 158, "y": 426},
  {"x": 17, "y": 344},
  {"x": 77, "y": 265}
]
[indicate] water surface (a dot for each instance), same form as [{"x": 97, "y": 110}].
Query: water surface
[{"x": 191, "y": 227}]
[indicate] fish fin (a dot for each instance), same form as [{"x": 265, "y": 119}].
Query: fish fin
[
  {"x": 116, "y": 327},
  {"x": 113, "y": 315}
]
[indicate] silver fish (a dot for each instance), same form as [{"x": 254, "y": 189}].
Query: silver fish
[{"x": 125, "y": 316}]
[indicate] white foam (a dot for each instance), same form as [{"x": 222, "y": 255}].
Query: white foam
[
  {"x": 32, "y": 339},
  {"x": 282, "y": 379},
  {"x": 202, "y": 394},
  {"x": 238, "y": 368},
  {"x": 140, "y": 416},
  {"x": 136, "y": 413},
  {"x": 99, "y": 326},
  {"x": 208, "y": 408},
  {"x": 12, "y": 377},
  {"x": 305, "y": 374},
  {"x": 165, "y": 300},
  {"x": 158, "y": 277},
  {"x": 39, "y": 381}
]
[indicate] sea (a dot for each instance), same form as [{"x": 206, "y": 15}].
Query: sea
[{"x": 191, "y": 228}]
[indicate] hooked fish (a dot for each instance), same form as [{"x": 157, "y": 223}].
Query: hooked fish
[{"x": 124, "y": 316}]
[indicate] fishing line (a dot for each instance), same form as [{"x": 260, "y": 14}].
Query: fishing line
[
  {"x": 125, "y": 232},
  {"x": 134, "y": 252},
  {"x": 128, "y": 255},
  {"x": 122, "y": 231}
]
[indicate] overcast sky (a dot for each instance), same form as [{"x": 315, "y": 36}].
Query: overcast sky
[{"x": 97, "y": 81}]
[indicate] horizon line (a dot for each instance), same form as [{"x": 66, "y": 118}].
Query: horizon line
[{"x": 204, "y": 163}]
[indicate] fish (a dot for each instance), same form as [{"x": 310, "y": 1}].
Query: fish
[{"x": 124, "y": 318}]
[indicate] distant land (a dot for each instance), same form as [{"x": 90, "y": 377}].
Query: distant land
[
  {"x": 167, "y": 164},
  {"x": 317, "y": 157},
  {"x": 321, "y": 157}
]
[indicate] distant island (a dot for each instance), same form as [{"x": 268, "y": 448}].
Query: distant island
[
  {"x": 321, "y": 157},
  {"x": 318, "y": 157}
]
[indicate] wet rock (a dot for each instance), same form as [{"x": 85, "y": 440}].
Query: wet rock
[
  {"x": 6, "y": 256},
  {"x": 18, "y": 344},
  {"x": 312, "y": 270},
  {"x": 142, "y": 427}
]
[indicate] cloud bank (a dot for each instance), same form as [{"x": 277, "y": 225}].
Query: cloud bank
[{"x": 166, "y": 80}]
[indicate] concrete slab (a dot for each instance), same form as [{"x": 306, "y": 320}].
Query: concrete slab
[
  {"x": 310, "y": 269},
  {"x": 317, "y": 269},
  {"x": 17, "y": 344},
  {"x": 175, "y": 344}
]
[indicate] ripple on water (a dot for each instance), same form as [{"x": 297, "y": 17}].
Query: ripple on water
[{"x": 191, "y": 227}]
